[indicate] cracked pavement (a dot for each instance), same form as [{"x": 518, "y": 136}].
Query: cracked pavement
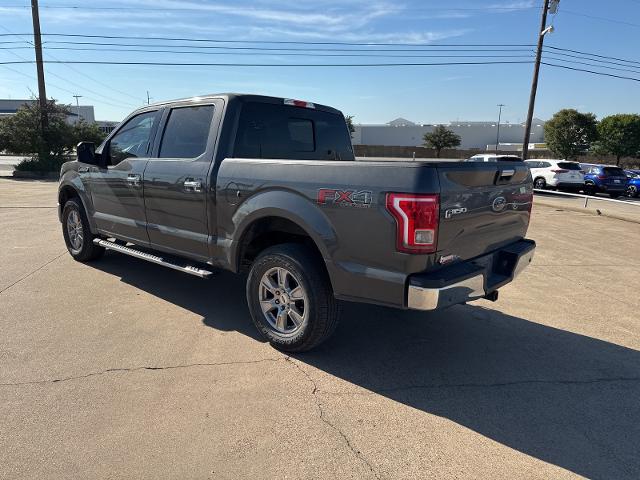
[{"x": 124, "y": 369}]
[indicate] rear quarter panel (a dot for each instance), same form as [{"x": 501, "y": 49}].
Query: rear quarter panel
[{"x": 356, "y": 238}]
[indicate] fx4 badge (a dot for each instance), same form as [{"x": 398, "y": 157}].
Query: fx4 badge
[{"x": 345, "y": 198}]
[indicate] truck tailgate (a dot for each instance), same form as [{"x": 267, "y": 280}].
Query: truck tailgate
[{"x": 483, "y": 206}]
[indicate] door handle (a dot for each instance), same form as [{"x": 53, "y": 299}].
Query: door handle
[
  {"x": 192, "y": 185},
  {"x": 133, "y": 179},
  {"x": 507, "y": 173}
]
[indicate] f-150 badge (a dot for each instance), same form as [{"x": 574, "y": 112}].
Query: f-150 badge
[{"x": 345, "y": 198}]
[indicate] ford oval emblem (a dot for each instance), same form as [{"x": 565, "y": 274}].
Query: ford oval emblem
[{"x": 499, "y": 204}]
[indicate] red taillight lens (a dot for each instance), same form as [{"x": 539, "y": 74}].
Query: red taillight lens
[
  {"x": 602, "y": 177},
  {"x": 417, "y": 217}
]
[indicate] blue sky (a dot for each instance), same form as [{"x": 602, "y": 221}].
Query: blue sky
[{"x": 373, "y": 95}]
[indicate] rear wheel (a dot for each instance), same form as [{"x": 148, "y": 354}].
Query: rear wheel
[
  {"x": 77, "y": 234},
  {"x": 540, "y": 183},
  {"x": 290, "y": 298},
  {"x": 632, "y": 191},
  {"x": 589, "y": 189}
]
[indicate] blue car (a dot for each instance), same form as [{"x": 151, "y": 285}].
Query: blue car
[
  {"x": 633, "y": 183},
  {"x": 605, "y": 179}
]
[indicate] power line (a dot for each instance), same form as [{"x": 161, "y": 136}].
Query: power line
[
  {"x": 604, "y": 19},
  {"x": 583, "y": 57},
  {"x": 592, "y": 54},
  {"x": 576, "y": 62},
  {"x": 289, "y": 42},
  {"x": 110, "y": 99},
  {"x": 281, "y": 49},
  {"x": 591, "y": 71},
  {"x": 201, "y": 10},
  {"x": 294, "y": 65},
  {"x": 306, "y": 54}
]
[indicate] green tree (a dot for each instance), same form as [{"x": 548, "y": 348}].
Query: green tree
[
  {"x": 441, "y": 137},
  {"x": 349, "y": 120},
  {"x": 570, "y": 133},
  {"x": 619, "y": 135},
  {"x": 84, "y": 131},
  {"x": 22, "y": 134}
]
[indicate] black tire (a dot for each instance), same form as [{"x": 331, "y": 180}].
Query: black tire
[
  {"x": 589, "y": 189},
  {"x": 320, "y": 306},
  {"x": 85, "y": 250},
  {"x": 540, "y": 183},
  {"x": 632, "y": 191}
]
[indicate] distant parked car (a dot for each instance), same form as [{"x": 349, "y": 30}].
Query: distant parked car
[
  {"x": 604, "y": 179},
  {"x": 559, "y": 174},
  {"x": 492, "y": 157},
  {"x": 633, "y": 183}
]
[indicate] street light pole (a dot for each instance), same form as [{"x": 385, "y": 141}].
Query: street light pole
[
  {"x": 500, "y": 105},
  {"x": 534, "y": 83},
  {"x": 77, "y": 106}
]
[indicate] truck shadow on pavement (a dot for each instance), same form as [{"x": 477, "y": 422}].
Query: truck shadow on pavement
[{"x": 564, "y": 398}]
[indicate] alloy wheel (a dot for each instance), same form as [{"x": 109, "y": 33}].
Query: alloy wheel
[
  {"x": 283, "y": 300},
  {"x": 74, "y": 230}
]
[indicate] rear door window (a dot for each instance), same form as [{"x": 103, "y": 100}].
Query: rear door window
[
  {"x": 267, "y": 130},
  {"x": 186, "y": 132}
]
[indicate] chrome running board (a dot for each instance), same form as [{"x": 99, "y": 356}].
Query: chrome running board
[{"x": 149, "y": 257}]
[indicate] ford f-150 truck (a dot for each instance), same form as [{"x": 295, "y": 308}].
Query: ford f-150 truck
[{"x": 270, "y": 186}]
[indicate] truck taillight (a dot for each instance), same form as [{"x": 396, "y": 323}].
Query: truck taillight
[{"x": 417, "y": 218}]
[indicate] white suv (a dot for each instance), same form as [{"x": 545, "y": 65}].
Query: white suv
[{"x": 558, "y": 174}]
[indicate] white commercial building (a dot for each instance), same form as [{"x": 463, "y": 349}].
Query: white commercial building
[
  {"x": 76, "y": 113},
  {"x": 404, "y": 133}
]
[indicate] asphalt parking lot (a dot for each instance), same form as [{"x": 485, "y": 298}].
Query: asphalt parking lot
[{"x": 123, "y": 369}]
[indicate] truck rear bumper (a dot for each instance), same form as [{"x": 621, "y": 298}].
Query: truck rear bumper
[{"x": 469, "y": 280}]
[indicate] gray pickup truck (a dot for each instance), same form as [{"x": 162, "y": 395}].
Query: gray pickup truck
[{"x": 270, "y": 186}]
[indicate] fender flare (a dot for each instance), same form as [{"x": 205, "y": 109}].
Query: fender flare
[
  {"x": 290, "y": 206},
  {"x": 74, "y": 182}
]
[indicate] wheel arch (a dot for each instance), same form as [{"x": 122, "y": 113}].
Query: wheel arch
[{"x": 75, "y": 189}]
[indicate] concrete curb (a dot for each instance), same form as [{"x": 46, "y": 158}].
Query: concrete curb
[
  {"x": 591, "y": 211},
  {"x": 36, "y": 175}
]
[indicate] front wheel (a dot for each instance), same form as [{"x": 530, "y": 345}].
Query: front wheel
[
  {"x": 632, "y": 191},
  {"x": 290, "y": 298},
  {"x": 77, "y": 234}
]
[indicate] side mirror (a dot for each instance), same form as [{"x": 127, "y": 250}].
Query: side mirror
[{"x": 86, "y": 153}]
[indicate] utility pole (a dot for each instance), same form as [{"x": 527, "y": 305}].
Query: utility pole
[
  {"x": 77, "y": 106},
  {"x": 37, "y": 43},
  {"x": 536, "y": 71},
  {"x": 499, "y": 118}
]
